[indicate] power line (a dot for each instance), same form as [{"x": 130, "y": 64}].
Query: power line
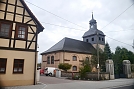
[
  {"x": 53, "y": 14},
  {"x": 118, "y": 15},
  {"x": 71, "y": 27},
  {"x": 119, "y": 41},
  {"x": 63, "y": 26}
]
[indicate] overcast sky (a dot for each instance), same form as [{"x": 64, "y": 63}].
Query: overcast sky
[{"x": 79, "y": 12}]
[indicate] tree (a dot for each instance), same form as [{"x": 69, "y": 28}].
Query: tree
[
  {"x": 107, "y": 51},
  {"x": 86, "y": 67},
  {"x": 102, "y": 60},
  {"x": 64, "y": 66}
]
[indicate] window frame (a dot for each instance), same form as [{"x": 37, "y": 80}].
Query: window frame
[
  {"x": 86, "y": 40},
  {"x": 4, "y": 65},
  {"x": 102, "y": 39},
  {"x": 87, "y": 58},
  {"x": 17, "y": 30},
  {"x": 75, "y": 68},
  {"x": 17, "y": 72},
  {"x": 48, "y": 62},
  {"x": 75, "y": 58},
  {"x": 92, "y": 39},
  {"x": 10, "y": 29},
  {"x": 99, "y": 38},
  {"x": 52, "y": 59}
]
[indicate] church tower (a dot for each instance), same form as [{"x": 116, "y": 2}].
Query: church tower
[{"x": 91, "y": 35}]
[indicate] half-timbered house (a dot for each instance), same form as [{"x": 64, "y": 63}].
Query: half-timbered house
[{"x": 19, "y": 30}]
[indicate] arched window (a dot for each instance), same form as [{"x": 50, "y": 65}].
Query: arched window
[
  {"x": 48, "y": 60},
  {"x": 52, "y": 59},
  {"x": 74, "y": 58},
  {"x": 74, "y": 68},
  {"x": 87, "y": 58}
]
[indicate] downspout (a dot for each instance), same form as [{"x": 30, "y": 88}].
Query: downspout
[{"x": 35, "y": 58}]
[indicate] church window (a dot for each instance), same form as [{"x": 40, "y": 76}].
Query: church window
[
  {"x": 86, "y": 40},
  {"x": 74, "y": 68},
  {"x": 74, "y": 58},
  {"x": 48, "y": 60},
  {"x": 87, "y": 58},
  {"x": 99, "y": 38},
  {"x": 102, "y": 39},
  {"x": 92, "y": 39},
  {"x": 52, "y": 59}
]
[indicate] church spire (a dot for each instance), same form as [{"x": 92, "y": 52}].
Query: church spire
[
  {"x": 92, "y": 16},
  {"x": 93, "y": 23}
]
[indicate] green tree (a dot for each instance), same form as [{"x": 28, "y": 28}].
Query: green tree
[
  {"x": 64, "y": 66},
  {"x": 107, "y": 51},
  {"x": 86, "y": 67},
  {"x": 102, "y": 60}
]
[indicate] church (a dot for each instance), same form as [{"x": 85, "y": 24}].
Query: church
[{"x": 74, "y": 51}]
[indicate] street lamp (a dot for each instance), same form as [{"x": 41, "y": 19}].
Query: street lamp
[{"x": 97, "y": 52}]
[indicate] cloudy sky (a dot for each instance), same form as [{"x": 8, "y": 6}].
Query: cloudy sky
[{"x": 56, "y": 15}]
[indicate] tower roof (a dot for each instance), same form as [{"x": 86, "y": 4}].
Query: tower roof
[
  {"x": 92, "y": 31},
  {"x": 92, "y": 20}
]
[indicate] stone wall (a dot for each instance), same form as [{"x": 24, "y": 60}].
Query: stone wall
[
  {"x": 94, "y": 76},
  {"x": 90, "y": 76},
  {"x": 69, "y": 74}
]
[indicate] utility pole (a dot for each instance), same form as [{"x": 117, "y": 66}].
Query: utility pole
[
  {"x": 133, "y": 44},
  {"x": 97, "y": 52}
]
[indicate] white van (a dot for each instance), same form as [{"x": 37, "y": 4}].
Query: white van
[{"x": 49, "y": 71}]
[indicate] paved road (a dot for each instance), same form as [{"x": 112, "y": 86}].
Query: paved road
[
  {"x": 53, "y": 80},
  {"x": 125, "y": 87},
  {"x": 55, "y": 83}
]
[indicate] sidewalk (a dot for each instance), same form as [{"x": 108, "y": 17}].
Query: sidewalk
[{"x": 38, "y": 86}]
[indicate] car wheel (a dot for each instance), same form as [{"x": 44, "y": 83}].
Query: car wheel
[{"x": 50, "y": 74}]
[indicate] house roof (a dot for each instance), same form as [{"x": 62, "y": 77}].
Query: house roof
[
  {"x": 71, "y": 45},
  {"x": 40, "y": 27}
]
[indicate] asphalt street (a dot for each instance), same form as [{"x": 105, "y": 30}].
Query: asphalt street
[
  {"x": 71, "y": 84},
  {"x": 125, "y": 87}
]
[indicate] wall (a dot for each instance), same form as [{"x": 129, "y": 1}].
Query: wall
[
  {"x": 10, "y": 79},
  {"x": 90, "y": 76},
  {"x": 67, "y": 56}
]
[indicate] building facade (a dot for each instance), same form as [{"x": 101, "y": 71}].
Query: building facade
[
  {"x": 74, "y": 51},
  {"x": 19, "y": 30}
]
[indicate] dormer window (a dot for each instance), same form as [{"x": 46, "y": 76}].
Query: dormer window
[
  {"x": 5, "y": 29},
  {"x": 21, "y": 31}
]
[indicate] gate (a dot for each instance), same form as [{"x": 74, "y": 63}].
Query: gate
[{"x": 118, "y": 68}]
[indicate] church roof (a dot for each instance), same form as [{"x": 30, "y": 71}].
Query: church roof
[
  {"x": 92, "y": 31},
  {"x": 71, "y": 45}
]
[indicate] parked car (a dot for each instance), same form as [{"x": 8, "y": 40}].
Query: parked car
[
  {"x": 49, "y": 71},
  {"x": 41, "y": 71}
]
